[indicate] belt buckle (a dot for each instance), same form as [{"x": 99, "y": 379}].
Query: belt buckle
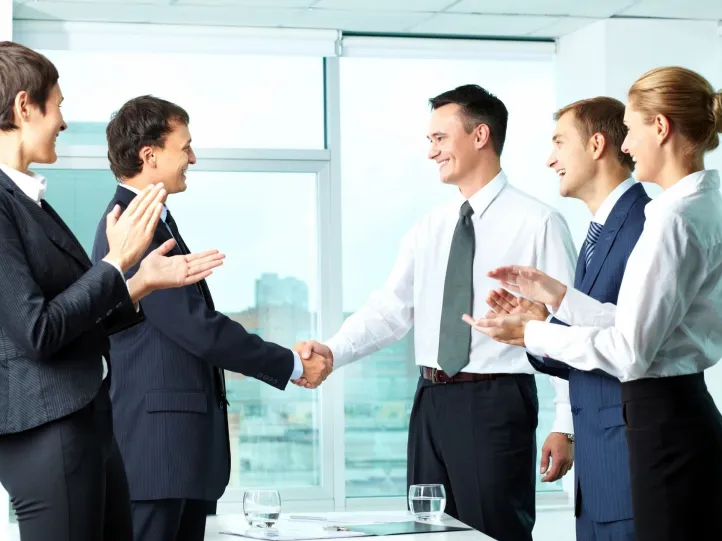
[{"x": 434, "y": 380}]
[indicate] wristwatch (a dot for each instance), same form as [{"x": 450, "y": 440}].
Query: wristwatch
[{"x": 570, "y": 437}]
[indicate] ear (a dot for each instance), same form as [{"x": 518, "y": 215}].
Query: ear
[
  {"x": 147, "y": 156},
  {"x": 597, "y": 143},
  {"x": 482, "y": 136},
  {"x": 21, "y": 107},
  {"x": 662, "y": 128}
]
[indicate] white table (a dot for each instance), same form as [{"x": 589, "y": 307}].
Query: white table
[
  {"x": 237, "y": 523},
  {"x": 220, "y": 523}
]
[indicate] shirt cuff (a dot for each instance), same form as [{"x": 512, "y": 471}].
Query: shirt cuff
[
  {"x": 342, "y": 351},
  {"x": 534, "y": 335},
  {"x": 575, "y": 302},
  {"x": 135, "y": 305},
  {"x": 563, "y": 422},
  {"x": 297, "y": 367}
]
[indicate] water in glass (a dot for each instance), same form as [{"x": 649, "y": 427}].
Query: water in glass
[
  {"x": 427, "y": 502},
  {"x": 262, "y": 507}
]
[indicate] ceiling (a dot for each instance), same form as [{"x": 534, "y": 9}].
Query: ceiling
[{"x": 512, "y": 18}]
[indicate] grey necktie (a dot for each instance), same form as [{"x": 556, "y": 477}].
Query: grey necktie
[{"x": 455, "y": 334}]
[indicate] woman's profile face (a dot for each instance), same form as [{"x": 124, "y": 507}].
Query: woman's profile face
[
  {"x": 641, "y": 143},
  {"x": 39, "y": 131}
]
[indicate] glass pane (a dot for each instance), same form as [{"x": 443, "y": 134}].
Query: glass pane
[
  {"x": 233, "y": 100},
  {"x": 268, "y": 283},
  {"x": 400, "y": 184}
]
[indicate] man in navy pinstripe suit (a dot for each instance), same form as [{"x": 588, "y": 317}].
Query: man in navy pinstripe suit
[
  {"x": 587, "y": 157},
  {"x": 168, "y": 386}
]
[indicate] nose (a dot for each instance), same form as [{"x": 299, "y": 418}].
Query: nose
[
  {"x": 625, "y": 146},
  {"x": 63, "y": 126},
  {"x": 551, "y": 160},
  {"x": 192, "y": 157},
  {"x": 433, "y": 152}
]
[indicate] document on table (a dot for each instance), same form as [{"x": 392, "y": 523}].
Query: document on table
[
  {"x": 307, "y": 527},
  {"x": 355, "y": 518}
]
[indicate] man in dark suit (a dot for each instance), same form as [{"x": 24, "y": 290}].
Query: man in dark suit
[
  {"x": 588, "y": 158},
  {"x": 168, "y": 390},
  {"x": 59, "y": 460}
]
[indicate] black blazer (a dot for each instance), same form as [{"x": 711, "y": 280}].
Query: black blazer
[
  {"x": 169, "y": 406},
  {"x": 56, "y": 311}
]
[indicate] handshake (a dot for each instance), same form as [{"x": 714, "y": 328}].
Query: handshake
[{"x": 317, "y": 362}]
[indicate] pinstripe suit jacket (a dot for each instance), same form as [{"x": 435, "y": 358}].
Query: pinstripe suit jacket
[
  {"x": 602, "y": 466},
  {"x": 169, "y": 407},
  {"x": 56, "y": 311}
]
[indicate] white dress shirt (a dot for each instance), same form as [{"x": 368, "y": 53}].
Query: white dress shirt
[
  {"x": 668, "y": 319},
  {"x": 510, "y": 227},
  {"x": 297, "y": 364}
]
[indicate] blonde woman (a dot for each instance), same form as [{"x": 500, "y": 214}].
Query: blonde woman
[{"x": 667, "y": 327}]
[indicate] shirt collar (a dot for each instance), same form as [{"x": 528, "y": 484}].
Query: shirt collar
[
  {"x": 696, "y": 182},
  {"x": 481, "y": 200},
  {"x": 32, "y": 185},
  {"x": 605, "y": 209},
  {"x": 163, "y": 213}
]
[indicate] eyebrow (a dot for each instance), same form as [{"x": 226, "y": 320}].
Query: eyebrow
[{"x": 435, "y": 134}]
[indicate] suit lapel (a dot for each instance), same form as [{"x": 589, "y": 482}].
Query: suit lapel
[
  {"x": 609, "y": 233},
  {"x": 52, "y": 224}
]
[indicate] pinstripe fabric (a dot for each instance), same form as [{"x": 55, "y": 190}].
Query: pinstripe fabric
[
  {"x": 168, "y": 409},
  {"x": 56, "y": 311},
  {"x": 601, "y": 456}
]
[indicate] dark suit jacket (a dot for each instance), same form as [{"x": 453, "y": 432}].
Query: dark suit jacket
[
  {"x": 56, "y": 310},
  {"x": 169, "y": 407},
  {"x": 601, "y": 457}
]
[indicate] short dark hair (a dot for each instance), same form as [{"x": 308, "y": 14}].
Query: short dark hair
[
  {"x": 601, "y": 115},
  {"x": 23, "y": 69},
  {"x": 142, "y": 121},
  {"x": 478, "y": 106}
]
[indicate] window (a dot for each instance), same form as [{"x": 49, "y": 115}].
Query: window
[
  {"x": 388, "y": 184},
  {"x": 234, "y": 101}
]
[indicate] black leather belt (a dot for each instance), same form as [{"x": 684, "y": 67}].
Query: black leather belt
[{"x": 439, "y": 376}]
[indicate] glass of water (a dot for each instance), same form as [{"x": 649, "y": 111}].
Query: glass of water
[
  {"x": 427, "y": 502},
  {"x": 262, "y": 507}
]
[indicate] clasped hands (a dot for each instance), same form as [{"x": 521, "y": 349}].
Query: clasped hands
[
  {"x": 506, "y": 320},
  {"x": 317, "y": 362}
]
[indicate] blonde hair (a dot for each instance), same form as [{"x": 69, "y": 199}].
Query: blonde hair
[{"x": 687, "y": 99}]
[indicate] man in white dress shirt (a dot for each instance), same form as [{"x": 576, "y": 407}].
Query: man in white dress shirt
[{"x": 475, "y": 412}]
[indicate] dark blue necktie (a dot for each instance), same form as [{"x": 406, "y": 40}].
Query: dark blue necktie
[{"x": 592, "y": 237}]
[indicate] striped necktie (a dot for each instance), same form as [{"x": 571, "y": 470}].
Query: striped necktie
[{"x": 592, "y": 237}]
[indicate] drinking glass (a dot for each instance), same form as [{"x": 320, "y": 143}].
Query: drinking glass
[
  {"x": 427, "y": 502},
  {"x": 261, "y": 507}
]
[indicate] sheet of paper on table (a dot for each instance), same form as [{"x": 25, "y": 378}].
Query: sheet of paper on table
[
  {"x": 355, "y": 518},
  {"x": 286, "y": 532},
  {"x": 311, "y": 527}
]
